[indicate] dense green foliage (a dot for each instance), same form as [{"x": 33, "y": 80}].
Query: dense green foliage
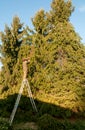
[
  {"x": 57, "y": 65},
  {"x": 11, "y": 42}
]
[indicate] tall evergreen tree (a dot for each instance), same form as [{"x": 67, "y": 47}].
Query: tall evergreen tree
[
  {"x": 11, "y": 38},
  {"x": 62, "y": 73},
  {"x": 44, "y": 51}
]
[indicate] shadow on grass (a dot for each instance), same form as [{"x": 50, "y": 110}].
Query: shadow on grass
[{"x": 49, "y": 116}]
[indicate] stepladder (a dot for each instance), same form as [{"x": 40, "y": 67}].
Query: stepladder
[{"x": 24, "y": 83}]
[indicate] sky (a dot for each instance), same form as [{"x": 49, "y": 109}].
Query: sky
[
  {"x": 26, "y": 9},
  {"x": 78, "y": 18}
]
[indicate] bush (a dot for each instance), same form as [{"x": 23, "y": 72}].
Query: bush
[
  {"x": 55, "y": 111},
  {"x": 46, "y": 122}
]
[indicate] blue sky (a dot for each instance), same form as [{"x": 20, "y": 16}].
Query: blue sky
[
  {"x": 26, "y": 9},
  {"x": 78, "y": 18}
]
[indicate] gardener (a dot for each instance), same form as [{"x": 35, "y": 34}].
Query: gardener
[{"x": 25, "y": 69}]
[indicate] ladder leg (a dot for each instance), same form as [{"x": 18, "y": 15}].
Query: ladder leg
[
  {"x": 16, "y": 103},
  {"x": 31, "y": 97}
]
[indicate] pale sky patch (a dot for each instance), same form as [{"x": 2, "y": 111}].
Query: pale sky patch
[{"x": 82, "y": 8}]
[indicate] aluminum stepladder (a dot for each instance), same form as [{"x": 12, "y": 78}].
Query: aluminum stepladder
[{"x": 24, "y": 83}]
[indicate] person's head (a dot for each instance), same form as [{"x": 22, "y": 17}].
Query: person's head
[{"x": 26, "y": 59}]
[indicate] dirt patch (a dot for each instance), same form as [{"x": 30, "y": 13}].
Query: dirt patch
[{"x": 28, "y": 125}]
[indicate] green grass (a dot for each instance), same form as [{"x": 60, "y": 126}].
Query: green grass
[
  {"x": 4, "y": 124},
  {"x": 47, "y": 122},
  {"x": 44, "y": 122}
]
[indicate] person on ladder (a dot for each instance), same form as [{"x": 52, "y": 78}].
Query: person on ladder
[{"x": 25, "y": 69}]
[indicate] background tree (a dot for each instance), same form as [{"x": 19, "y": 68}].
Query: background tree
[
  {"x": 59, "y": 57},
  {"x": 69, "y": 56},
  {"x": 43, "y": 57},
  {"x": 12, "y": 39}
]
